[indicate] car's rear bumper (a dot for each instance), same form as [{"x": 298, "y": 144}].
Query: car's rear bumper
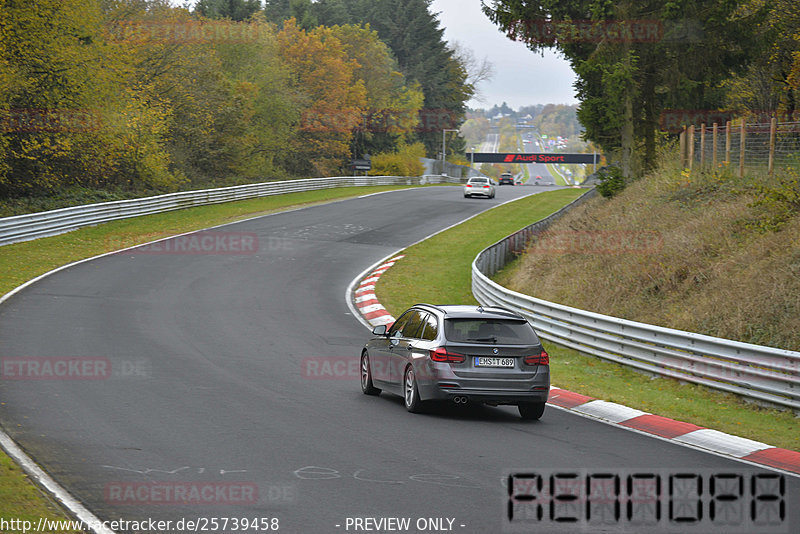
[
  {"x": 478, "y": 193},
  {"x": 444, "y": 385},
  {"x": 492, "y": 397}
]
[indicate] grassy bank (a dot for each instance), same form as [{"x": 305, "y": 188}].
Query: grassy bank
[
  {"x": 438, "y": 271},
  {"x": 708, "y": 253},
  {"x": 20, "y": 262}
]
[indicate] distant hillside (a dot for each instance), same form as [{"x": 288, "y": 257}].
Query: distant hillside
[{"x": 709, "y": 254}]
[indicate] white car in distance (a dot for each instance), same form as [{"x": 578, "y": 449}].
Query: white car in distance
[{"x": 479, "y": 186}]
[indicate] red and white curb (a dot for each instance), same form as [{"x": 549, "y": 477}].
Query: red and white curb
[
  {"x": 365, "y": 300},
  {"x": 687, "y": 434},
  {"x": 683, "y": 433}
]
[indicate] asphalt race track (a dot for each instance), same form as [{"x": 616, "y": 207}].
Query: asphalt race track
[{"x": 225, "y": 385}]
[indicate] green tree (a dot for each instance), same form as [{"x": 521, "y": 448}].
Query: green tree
[
  {"x": 624, "y": 83},
  {"x": 302, "y": 11},
  {"x": 238, "y": 10},
  {"x": 67, "y": 66},
  {"x": 332, "y": 98}
]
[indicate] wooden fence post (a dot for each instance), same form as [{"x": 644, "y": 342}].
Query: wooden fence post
[
  {"x": 728, "y": 142},
  {"x": 691, "y": 147}
]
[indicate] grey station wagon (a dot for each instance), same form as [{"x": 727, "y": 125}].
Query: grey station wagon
[{"x": 460, "y": 354}]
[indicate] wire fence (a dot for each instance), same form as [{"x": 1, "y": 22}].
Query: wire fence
[{"x": 744, "y": 147}]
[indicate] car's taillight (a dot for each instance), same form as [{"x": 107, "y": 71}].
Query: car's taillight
[
  {"x": 442, "y": 355},
  {"x": 486, "y": 187},
  {"x": 469, "y": 185},
  {"x": 538, "y": 359}
]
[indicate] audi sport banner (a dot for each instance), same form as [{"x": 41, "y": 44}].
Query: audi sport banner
[{"x": 547, "y": 157}]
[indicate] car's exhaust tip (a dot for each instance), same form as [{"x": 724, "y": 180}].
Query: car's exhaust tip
[{"x": 460, "y": 399}]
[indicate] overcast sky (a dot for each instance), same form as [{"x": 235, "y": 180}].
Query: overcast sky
[{"x": 521, "y": 77}]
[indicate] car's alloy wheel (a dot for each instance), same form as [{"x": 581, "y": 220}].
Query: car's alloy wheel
[
  {"x": 531, "y": 410},
  {"x": 411, "y": 392},
  {"x": 366, "y": 377}
]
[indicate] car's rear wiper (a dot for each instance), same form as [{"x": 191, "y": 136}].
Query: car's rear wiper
[{"x": 493, "y": 339}]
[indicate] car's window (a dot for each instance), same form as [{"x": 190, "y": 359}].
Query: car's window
[
  {"x": 431, "y": 330},
  {"x": 408, "y": 325},
  {"x": 399, "y": 325},
  {"x": 478, "y": 180},
  {"x": 414, "y": 326},
  {"x": 502, "y": 331}
]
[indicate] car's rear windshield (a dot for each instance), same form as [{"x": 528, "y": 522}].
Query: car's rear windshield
[
  {"x": 478, "y": 180},
  {"x": 500, "y": 331}
]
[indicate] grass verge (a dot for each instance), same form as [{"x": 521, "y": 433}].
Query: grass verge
[
  {"x": 438, "y": 271},
  {"x": 20, "y": 262},
  {"x": 560, "y": 178},
  {"x": 21, "y": 500}
]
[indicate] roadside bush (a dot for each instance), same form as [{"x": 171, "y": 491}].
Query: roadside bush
[
  {"x": 611, "y": 181},
  {"x": 405, "y": 162},
  {"x": 779, "y": 201}
]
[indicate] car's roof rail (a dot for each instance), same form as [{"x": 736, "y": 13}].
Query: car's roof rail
[
  {"x": 437, "y": 308},
  {"x": 501, "y": 308}
]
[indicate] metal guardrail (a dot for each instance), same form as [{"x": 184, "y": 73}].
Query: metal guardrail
[
  {"x": 765, "y": 374},
  {"x": 54, "y": 222}
]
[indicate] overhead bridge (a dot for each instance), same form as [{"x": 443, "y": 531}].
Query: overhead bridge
[{"x": 522, "y": 157}]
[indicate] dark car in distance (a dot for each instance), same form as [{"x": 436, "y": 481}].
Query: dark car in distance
[
  {"x": 506, "y": 179},
  {"x": 461, "y": 354}
]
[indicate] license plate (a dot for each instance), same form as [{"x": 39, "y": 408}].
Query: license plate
[{"x": 486, "y": 361}]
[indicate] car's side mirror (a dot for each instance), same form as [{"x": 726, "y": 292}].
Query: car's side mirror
[{"x": 379, "y": 330}]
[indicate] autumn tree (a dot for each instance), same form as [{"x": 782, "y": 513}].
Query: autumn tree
[
  {"x": 392, "y": 108},
  {"x": 333, "y": 100},
  {"x": 416, "y": 40}
]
